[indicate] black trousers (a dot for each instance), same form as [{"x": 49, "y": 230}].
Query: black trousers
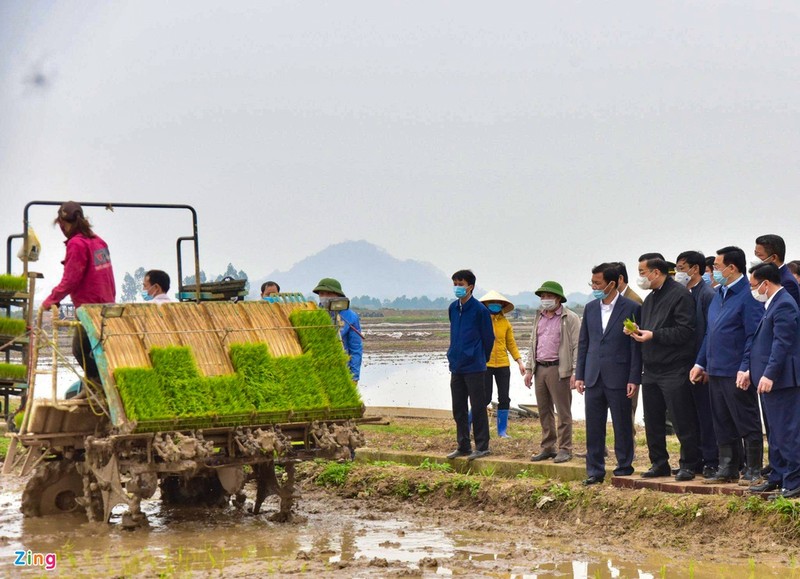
[
  {"x": 599, "y": 400},
  {"x": 469, "y": 388},
  {"x": 82, "y": 350},
  {"x": 664, "y": 390},
  {"x": 735, "y": 411},
  {"x": 502, "y": 375},
  {"x": 707, "y": 439}
]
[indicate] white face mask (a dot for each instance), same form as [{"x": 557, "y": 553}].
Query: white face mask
[
  {"x": 682, "y": 278},
  {"x": 762, "y": 298},
  {"x": 549, "y": 304},
  {"x": 643, "y": 282}
]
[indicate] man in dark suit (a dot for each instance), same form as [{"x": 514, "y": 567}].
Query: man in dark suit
[
  {"x": 732, "y": 319},
  {"x": 771, "y": 248},
  {"x": 773, "y": 367},
  {"x": 608, "y": 371},
  {"x": 689, "y": 269}
]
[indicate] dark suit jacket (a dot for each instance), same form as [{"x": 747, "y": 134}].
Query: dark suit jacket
[
  {"x": 612, "y": 354},
  {"x": 732, "y": 321},
  {"x": 789, "y": 283},
  {"x": 702, "y": 294},
  {"x": 775, "y": 351}
]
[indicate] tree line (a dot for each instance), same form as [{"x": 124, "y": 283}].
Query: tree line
[{"x": 131, "y": 290}]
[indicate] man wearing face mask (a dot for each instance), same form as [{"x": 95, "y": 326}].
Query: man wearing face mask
[
  {"x": 609, "y": 371},
  {"x": 666, "y": 332},
  {"x": 773, "y": 364},
  {"x": 688, "y": 268},
  {"x": 155, "y": 287},
  {"x": 732, "y": 320},
  {"x": 551, "y": 366},
  {"x": 771, "y": 248},
  {"x": 471, "y": 343},
  {"x": 349, "y": 325}
]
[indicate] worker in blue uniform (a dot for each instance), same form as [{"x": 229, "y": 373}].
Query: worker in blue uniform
[{"x": 349, "y": 325}]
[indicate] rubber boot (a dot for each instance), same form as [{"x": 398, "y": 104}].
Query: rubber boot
[
  {"x": 502, "y": 424},
  {"x": 727, "y": 472},
  {"x": 754, "y": 457}
]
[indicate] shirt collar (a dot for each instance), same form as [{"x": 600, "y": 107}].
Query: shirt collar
[
  {"x": 611, "y": 305},
  {"x": 769, "y": 301}
]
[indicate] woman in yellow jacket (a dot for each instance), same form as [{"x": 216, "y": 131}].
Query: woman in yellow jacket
[{"x": 498, "y": 367}]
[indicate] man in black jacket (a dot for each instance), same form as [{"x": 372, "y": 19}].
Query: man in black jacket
[{"x": 667, "y": 335}]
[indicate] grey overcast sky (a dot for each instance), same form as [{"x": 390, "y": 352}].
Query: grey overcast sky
[{"x": 526, "y": 140}]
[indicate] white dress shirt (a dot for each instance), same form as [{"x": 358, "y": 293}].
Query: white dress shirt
[{"x": 606, "y": 311}]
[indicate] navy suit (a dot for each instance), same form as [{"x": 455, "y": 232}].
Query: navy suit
[
  {"x": 732, "y": 320},
  {"x": 607, "y": 362},
  {"x": 789, "y": 283},
  {"x": 775, "y": 353},
  {"x": 703, "y": 295}
]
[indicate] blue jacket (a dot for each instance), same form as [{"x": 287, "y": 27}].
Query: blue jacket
[
  {"x": 732, "y": 321},
  {"x": 471, "y": 336},
  {"x": 349, "y": 329},
  {"x": 610, "y": 354},
  {"x": 789, "y": 283},
  {"x": 775, "y": 351}
]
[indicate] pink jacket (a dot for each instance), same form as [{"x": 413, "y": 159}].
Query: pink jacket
[{"x": 88, "y": 276}]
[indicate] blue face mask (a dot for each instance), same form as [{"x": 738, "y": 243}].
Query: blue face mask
[
  {"x": 269, "y": 299},
  {"x": 460, "y": 291},
  {"x": 719, "y": 278},
  {"x": 707, "y": 278},
  {"x": 495, "y": 308},
  {"x": 599, "y": 294},
  {"x": 146, "y": 296}
]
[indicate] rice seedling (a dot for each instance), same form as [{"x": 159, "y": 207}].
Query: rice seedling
[
  {"x": 12, "y": 327},
  {"x": 13, "y": 283},
  {"x": 13, "y": 371}
]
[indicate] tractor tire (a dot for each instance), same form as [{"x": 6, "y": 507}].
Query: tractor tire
[{"x": 53, "y": 489}]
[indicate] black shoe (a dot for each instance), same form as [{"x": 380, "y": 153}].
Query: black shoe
[
  {"x": 684, "y": 475},
  {"x": 623, "y": 471},
  {"x": 593, "y": 480},
  {"x": 709, "y": 471},
  {"x": 653, "y": 473},
  {"x": 544, "y": 455},
  {"x": 764, "y": 487},
  {"x": 674, "y": 471},
  {"x": 479, "y": 454},
  {"x": 562, "y": 456},
  {"x": 766, "y": 470},
  {"x": 790, "y": 494},
  {"x": 457, "y": 453}
]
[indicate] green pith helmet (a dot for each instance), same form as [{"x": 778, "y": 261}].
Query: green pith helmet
[
  {"x": 328, "y": 284},
  {"x": 551, "y": 287}
]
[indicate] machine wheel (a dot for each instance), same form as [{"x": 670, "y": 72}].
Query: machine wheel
[
  {"x": 53, "y": 489},
  {"x": 198, "y": 490}
]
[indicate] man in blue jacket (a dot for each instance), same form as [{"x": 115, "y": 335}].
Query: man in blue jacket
[
  {"x": 732, "y": 319},
  {"x": 773, "y": 367},
  {"x": 609, "y": 371},
  {"x": 349, "y": 325},
  {"x": 471, "y": 343}
]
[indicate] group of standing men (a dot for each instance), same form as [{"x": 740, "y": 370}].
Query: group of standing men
[{"x": 710, "y": 341}]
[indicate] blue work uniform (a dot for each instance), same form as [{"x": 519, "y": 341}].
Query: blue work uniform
[{"x": 350, "y": 330}]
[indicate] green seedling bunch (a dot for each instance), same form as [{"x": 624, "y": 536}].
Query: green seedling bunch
[
  {"x": 12, "y": 327},
  {"x": 261, "y": 386},
  {"x": 13, "y": 283},
  {"x": 630, "y": 325},
  {"x": 305, "y": 388},
  {"x": 142, "y": 393},
  {"x": 13, "y": 371}
]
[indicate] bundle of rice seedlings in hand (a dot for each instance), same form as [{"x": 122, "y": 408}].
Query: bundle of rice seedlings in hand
[
  {"x": 12, "y": 327},
  {"x": 262, "y": 384},
  {"x": 17, "y": 372},
  {"x": 143, "y": 394},
  {"x": 298, "y": 377},
  {"x": 13, "y": 283}
]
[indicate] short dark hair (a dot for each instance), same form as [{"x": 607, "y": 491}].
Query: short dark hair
[
  {"x": 267, "y": 283},
  {"x": 623, "y": 271},
  {"x": 766, "y": 271},
  {"x": 773, "y": 244},
  {"x": 693, "y": 258},
  {"x": 732, "y": 255},
  {"x": 710, "y": 262},
  {"x": 648, "y": 256},
  {"x": 156, "y": 276},
  {"x": 464, "y": 275},
  {"x": 794, "y": 266},
  {"x": 655, "y": 262},
  {"x": 609, "y": 270}
]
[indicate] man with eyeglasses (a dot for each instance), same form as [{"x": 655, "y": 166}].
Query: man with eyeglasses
[
  {"x": 666, "y": 332},
  {"x": 689, "y": 269},
  {"x": 732, "y": 320}
]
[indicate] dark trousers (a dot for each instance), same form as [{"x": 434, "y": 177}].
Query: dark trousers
[
  {"x": 705, "y": 425},
  {"x": 664, "y": 390},
  {"x": 503, "y": 377},
  {"x": 735, "y": 411},
  {"x": 469, "y": 388},
  {"x": 783, "y": 409},
  {"x": 82, "y": 350},
  {"x": 599, "y": 400}
]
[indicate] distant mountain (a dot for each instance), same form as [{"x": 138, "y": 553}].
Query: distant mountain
[{"x": 363, "y": 269}]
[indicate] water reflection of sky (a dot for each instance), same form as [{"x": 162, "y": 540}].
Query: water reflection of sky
[{"x": 422, "y": 380}]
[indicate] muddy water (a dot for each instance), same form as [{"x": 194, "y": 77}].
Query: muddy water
[{"x": 330, "y": 537}]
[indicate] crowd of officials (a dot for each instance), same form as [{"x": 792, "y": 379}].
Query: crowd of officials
[{"x": 714, "y": 348}]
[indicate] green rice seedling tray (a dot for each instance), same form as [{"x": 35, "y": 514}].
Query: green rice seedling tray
[
  {"x": 12, "y": 328},
  {"x": 13, "y": 284},
  {"x": 13, "y": 372}
]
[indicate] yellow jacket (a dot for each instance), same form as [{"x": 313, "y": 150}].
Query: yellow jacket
[{"x": 503, "y": 342}]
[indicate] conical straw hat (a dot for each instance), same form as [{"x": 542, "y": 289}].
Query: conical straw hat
[{"x": 494, "y": 296}]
